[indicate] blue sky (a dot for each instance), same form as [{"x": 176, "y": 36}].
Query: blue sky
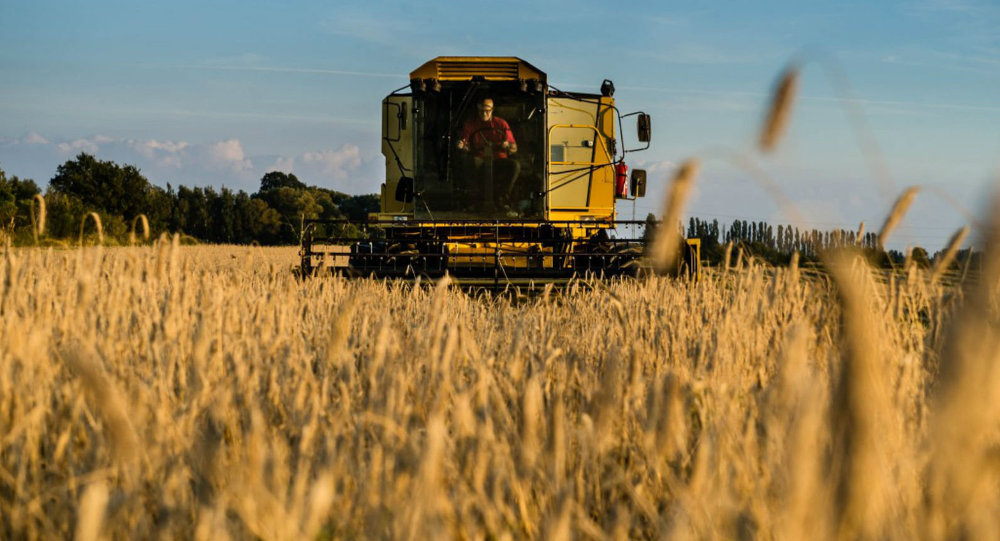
[{"x": 219, "y": 93}]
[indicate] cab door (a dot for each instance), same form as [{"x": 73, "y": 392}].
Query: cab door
[
  {"x": 580, "y": 177},
  {"x": 397, "y": 147}
]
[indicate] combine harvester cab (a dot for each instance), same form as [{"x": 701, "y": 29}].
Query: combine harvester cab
[{"x": 496, "y": 178}]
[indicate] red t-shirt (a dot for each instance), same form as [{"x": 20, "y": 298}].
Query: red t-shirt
[{"x": 496, "y": 131}]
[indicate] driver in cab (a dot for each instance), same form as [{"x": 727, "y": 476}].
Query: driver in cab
[
  {"x": 487, "y": 131},
  {"x": 489, "y": 142}
]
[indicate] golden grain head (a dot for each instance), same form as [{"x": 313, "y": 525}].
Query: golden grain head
[
  {"x": 899, "y": 209},
  {"x": 779, "y": 111},
  {"x": 948, "y": 255},
  {"x": 726, "y": 255}
]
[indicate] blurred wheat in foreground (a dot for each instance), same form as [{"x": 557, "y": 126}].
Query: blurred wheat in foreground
[{"x": 203, "y": 392}]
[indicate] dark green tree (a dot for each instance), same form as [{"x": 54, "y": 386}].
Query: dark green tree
[
  {"x": 292, "y": 205},
  {"x": 260, "y": 222},
  {"x": 16, "y": 198},
  {"x": 358, "y": 207},
  {"x": 105, "y": 185},
  {"x": 64, "y": 213},
  {"x": 920, "y": 258},
  {"x": 276, "y": 179}
]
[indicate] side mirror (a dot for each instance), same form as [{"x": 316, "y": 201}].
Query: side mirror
[
  {"x": 402, "y": 116},
  {"x": 638, "y": 183},
  {"x": 645, "y": 128},
  {"x": 404, "y": 189}
]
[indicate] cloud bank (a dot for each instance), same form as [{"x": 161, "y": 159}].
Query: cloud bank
[{"x": 215, "y": 163}]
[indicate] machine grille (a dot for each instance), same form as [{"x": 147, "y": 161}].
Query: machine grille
[{"x": 466, "y": 70}]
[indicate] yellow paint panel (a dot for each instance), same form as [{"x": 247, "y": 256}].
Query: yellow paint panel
[
  {"x": 581, "y": 178},
  {"x": 520, "y": 255}
]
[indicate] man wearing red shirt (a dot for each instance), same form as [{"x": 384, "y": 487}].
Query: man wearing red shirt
[
  {"x": 482, "y": 132},
  {"x": 486, "y": 130}
]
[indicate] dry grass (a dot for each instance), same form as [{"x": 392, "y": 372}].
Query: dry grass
[{"x": 202, "y": 392}]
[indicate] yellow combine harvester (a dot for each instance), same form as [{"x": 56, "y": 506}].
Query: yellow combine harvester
[{"x": 493, "y": 175}]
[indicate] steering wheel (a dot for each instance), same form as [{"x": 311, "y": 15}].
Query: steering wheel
[{"x": 488, "y": 144}]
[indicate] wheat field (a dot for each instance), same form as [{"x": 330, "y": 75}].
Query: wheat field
[{"x": 203, "y": 392}]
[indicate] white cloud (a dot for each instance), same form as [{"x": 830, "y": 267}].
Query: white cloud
[
  {"x": 658, "y": 167},
  {"x": 229, "y": 154},
  {"x": 212, "y": 163},
  {"x": 163, "y": 153},
  {"x": 283, "y": 164},
  {"x": 34, "y": 138},
  {"x": 152, "y": 147},
  {"x": 335, "y": 163},
  {"x": 90, "y": 145}
]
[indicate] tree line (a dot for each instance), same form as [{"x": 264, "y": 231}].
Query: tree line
[
  {"x": 776, "y": 245},
  {"x": 118, "y": 194}
]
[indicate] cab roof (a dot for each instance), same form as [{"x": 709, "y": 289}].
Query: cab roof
[{"x": 490, "y": 68}]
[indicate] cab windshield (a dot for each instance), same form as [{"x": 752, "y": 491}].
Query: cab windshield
[{"x": 479, "y": 152}]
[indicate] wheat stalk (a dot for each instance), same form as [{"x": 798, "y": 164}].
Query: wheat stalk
[
  {"x": 142, "y": 219},
  {"x": 97, "y": 223},
  {"x": 236, "y": 400},
  {"x": 860, "y": 408},
  {"x": 966, "y": 411},
  {"x": 93, "y": 506},
  {"x": 664, "y": 248},
  {"x": 38, "y": 221},
  {"x": 86, "y": 363}
]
